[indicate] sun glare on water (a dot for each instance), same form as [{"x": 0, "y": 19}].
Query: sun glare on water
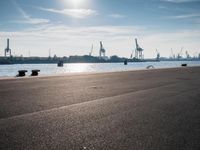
[{"x": 79, "y": 67}]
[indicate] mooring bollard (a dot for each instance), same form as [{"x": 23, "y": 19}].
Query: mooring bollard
[
  {"x": 184, "y": 65},
  {"x": 35, "y": 72},
  {"x": 22, "y": 73}
]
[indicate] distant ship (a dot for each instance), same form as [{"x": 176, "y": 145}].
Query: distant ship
[
  {"x": 125, "y": 62},
  {"x": 60, "y": 63}
]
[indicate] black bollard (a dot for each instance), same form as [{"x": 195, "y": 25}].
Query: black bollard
[
  {"x": 22, "y": 73},
  {"x": 184, "y": 65},
  {"x": 35, "y": 72}
]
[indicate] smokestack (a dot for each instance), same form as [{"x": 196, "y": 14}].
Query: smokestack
[
  {"x": 7, "y": 43},
  {"x": 136, "y": 43},
  {"x": 101, "y": 45}
]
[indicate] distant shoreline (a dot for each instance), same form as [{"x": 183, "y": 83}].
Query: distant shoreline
[
  {"x": 81, "y": 59},
  {"x": 35, "y": 63}
]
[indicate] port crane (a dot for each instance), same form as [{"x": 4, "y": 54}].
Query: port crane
[
  {"x": 138, "y": 51},
  {"x": 7, "y": 50},
  {"x": 102, "y": 51}
]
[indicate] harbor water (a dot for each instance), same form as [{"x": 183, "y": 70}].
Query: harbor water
[{"x": 52, "y": 69}]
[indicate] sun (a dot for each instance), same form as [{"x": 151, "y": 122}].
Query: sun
[{"x": 76, "y": 3}]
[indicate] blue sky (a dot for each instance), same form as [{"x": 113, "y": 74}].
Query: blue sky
[{"x": 70, "y": 27}]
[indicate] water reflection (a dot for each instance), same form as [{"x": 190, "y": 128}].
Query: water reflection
[
  {"x": 76, "y": 68},
  {"x": 52, "y": 69}
]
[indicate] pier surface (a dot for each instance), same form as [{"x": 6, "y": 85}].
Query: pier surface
[{"x": 142, "y": 110}]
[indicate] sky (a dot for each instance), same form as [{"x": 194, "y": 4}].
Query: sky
[{"x": 70, "y": 27}]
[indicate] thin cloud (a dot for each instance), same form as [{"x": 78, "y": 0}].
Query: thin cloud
[
  {"x": 33, "y": 21},
  {"x": 117, "y": 16},
  {"x": 186, "y": 16},
  {"x": 181, "y": 1},
  {"x": 27, "y": 18},
  {"x": 75, "y": 13}
]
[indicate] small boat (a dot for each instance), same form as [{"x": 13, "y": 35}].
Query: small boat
[
  {"x": 125, "y": 62},
  {"x": 60, "y": 63},
  {"x": 150, "y": 67}
]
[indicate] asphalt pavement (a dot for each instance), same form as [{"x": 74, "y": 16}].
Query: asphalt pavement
[{"x": 156, "y": 109}]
